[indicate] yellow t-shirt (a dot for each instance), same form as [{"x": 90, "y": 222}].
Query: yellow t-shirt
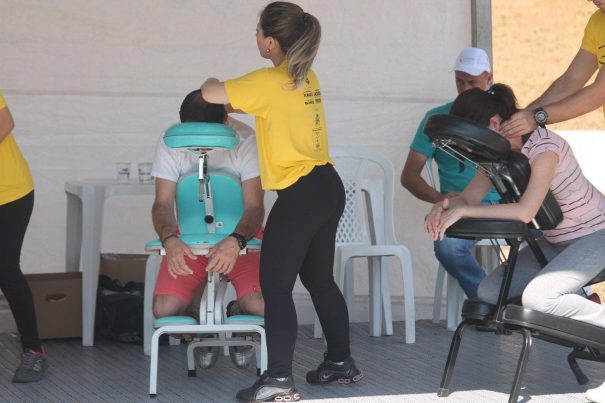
[
  {"x": 594, "y": 38},
  {"x": 291, "y": 130},
  {"x": 15, "y": 178}
]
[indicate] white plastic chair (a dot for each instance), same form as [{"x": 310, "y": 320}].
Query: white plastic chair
[
  {"x": 486, "y": 253},
  {"x": 354, "y": 238}
]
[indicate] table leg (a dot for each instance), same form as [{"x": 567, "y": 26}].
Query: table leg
[
  {"x": 92, "y": 221},
  {"x": 73, "y": 232}
]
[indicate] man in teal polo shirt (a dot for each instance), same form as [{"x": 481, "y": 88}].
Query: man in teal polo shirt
[{"x": 472, "y": 70}]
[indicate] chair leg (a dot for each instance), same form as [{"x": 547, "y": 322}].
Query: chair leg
[
  {"x": 438, "y": 294},
  {"x": 264, "y": 360},
  {"x": 375, "y": 293},
  {"x": 151, "y": 272},
  {"x": 317, "y": 330},
  {"x": 444, "y": 390},
  {"x": 348, "y": 286},
  {"x": 575, "y": 368},
  {"x": 522, "y": 364},
  {"x": 455, "y": 296},
  {"x": 407, "y": 274},
  {"x": 153, "y": 365},
  {"x": 387, "y": 323},
  {"x": 191, "y": 372}
]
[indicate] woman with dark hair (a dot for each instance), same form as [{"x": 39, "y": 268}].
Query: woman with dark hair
[
  {"x": 16, "y": 206},
  {"x": 301, "y": 228},
  {"x": 574, "y": 248}
]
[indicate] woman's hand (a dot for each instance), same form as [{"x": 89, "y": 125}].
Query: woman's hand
[
  {"x": 222, "y": 257},
  {"x": 448, "y": 218},
  {"x": 433, "y": 219},
  {"x": 441, "y": 218}
]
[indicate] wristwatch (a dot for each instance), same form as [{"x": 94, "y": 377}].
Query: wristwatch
[
  {"x": 541, "y": 117},
  {"x": 241, "y": 240}
]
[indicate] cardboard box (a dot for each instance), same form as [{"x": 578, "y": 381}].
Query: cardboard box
[
  {"x": 124, "y": 267},
  {"x": 58, "y": 301}
]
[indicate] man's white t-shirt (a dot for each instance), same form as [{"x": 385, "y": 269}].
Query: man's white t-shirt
[{"x": 242, "y": 162}]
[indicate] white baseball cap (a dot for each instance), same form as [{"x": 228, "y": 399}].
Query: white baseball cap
[{"x": 473, "y": 61}]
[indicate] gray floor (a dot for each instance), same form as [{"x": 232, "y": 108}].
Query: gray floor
[{"x": 395, "y": 372}]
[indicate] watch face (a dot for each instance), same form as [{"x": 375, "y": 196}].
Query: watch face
[{"x": 540, "y": 116}]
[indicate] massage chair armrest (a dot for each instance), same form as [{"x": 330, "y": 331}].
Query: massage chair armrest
[{"x": 483, "y": 228}]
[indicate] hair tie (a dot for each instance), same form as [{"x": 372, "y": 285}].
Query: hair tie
[
  {"x": 490, "y": 92},
  {"x": 305, "y": 17}
]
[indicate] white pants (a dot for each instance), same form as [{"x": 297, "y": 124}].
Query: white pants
[{"x": 553, "y": 289}]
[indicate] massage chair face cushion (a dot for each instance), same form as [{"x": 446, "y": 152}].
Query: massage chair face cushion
[
  {"x": 201, "y": 136},
  {"x": 476, "y": 142}
]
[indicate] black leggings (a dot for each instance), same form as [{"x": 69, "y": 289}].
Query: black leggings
[
  {"x": 299, "y": 240},
  {"x": 14, "y": 218}
]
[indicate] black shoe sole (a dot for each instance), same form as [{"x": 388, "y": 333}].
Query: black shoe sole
[{"x": 339, "y": 380}]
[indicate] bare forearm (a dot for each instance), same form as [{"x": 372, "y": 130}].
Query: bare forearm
[
  {"x": 559, "y": 89},
  {"x": 511, "y": 211},
  {"x": 250, "y": 222},
  {"x": 586, "y": 100},
  {"x": 164, "y": 221},
  {"x": 420, "y": 189}
]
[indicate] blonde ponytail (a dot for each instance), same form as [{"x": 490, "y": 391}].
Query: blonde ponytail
[{"x": 298, "y": 34}]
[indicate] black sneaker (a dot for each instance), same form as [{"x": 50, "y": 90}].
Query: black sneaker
[
  {"x": 329, "y": 371},
  {"x": 267, "y": 389},
  {"x": 32, "y": 366}
]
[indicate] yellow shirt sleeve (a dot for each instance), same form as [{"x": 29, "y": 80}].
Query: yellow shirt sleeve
[
  {"x": 589, "y": 41},
  {"x": 15, "y": 177},
  {"x": 249, "y": 92}
]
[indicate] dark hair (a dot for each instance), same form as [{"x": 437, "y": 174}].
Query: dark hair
[
  {"x": 195, "y": 109},
  {"x": 298, "y": 34},
  {"x": 479, "y": 106}
]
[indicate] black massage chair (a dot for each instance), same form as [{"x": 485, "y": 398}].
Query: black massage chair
[{"x": 509, "y": 171}]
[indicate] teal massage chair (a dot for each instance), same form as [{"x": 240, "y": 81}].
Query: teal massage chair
[{"x": 208, "y": 207}]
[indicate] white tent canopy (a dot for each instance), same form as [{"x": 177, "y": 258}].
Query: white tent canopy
[{"x": 93, "y": 83}]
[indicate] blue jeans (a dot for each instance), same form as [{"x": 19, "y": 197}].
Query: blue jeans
[{"x": 456, "y": 257}]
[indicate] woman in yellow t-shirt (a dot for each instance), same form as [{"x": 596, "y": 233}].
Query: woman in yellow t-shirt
[
  {"x": 16, "y": 205},
  {"x": 301, "y": 228}
]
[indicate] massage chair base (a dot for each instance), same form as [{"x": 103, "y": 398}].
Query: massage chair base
[{"x": 586, "y": 340}]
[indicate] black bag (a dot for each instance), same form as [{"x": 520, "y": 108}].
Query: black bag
[{"x": 120, "y": 310}]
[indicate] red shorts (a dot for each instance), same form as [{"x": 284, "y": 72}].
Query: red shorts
[{"x": 244, "y": 277}]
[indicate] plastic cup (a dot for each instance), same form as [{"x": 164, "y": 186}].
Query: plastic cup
[
  {"x": 123, "y": 172},
  {"x": 145, "y": 172}
]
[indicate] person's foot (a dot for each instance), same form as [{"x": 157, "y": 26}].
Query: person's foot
[
  {"x": 241, "y": 356},
  {"x": 32, "y": 367},
  {"x": 267, "y": 389},
  {"x": 596, "y": 395},
  {"x": 207, "y": 356},
  {"x": 329, "y": 371}
]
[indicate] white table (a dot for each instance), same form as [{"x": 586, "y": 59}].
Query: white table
[{"x": 85, "y": 203}]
